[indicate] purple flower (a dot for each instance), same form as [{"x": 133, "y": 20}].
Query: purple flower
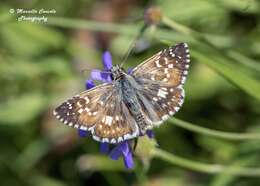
[{"x": 121, "y": 149}]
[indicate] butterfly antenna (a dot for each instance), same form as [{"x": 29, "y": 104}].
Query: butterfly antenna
[{"x": 132, "y": 45}]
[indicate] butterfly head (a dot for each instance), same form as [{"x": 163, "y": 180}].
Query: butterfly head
[{"x": 117, "y": 72}]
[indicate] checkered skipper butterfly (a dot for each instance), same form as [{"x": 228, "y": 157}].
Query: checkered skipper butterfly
[{"x": 132, "y": 103}]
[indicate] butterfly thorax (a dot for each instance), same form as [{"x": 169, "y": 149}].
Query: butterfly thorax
[{"x": 117, "y": 72}]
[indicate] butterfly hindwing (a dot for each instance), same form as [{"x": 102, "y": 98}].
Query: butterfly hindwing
[{"x": 116, "y": 123}]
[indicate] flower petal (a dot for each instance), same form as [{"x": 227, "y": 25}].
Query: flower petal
[
  {"x": 116, "y": 153},
  {"x": 128, "y": 161},
  {"x": 106, "y": 76},
  {"x": 129, "y": 70},
  {"x": 150, "y": 133},
  {"x": 89, "y": 84},
  {"x": 125, "y": 148},
  {"x": 107, "y": 60},
  {"x": 83, "y": 133},
  {"x": 104, "y": 148},
  {"x": 96, "y": 75}
]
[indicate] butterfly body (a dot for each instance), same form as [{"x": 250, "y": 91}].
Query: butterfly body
[
  {"x": 132, "y": 103},
  {"x": 129, "y": 88}
]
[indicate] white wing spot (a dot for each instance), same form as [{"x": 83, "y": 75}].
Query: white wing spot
[
  {"x": 165, "y": 117},
  {"x": 155, "y": 99},
  {"x": 170, "y": 66},
  {"x": 83, "y": 127},
  {"x": 96, "y": 138},
  {"x": 166, "y": 60},
  {"x": 165, "y": 79},
  {"x": 76, "y": 126},
  {"x": 162, "y": 93},
  {"x": 172, "y": 54},
  {"x": 108, "y": 120},
  {"x": 87, "y": 100},
  {"x": 120, "y": 139},
  {"x": 164, "y": 88},
  {"x": 157, "y": 63},
  {"x": 105, "y": 140},
  {"x": 183, "y": 80},
  {"x": 80, "y": 110},
  {"x": 171, "y": 112},
  {"x": 127, "y": 136}
]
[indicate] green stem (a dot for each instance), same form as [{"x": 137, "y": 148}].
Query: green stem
[
  {"x": 210, "y": 132},
  {"x": 176, "y": 26},
  {"x": 204, "y": 167}
]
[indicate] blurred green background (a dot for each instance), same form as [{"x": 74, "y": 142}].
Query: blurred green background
[{"x": 41, "y": 64}]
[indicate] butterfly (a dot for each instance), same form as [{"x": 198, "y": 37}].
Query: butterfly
[{"x": 132, "y": 103}]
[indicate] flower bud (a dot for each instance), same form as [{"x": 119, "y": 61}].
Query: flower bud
[{"x": 152, "y": 15}]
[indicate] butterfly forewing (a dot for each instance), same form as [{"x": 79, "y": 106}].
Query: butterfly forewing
[
  {"x": 169, "y": 66},
  {"x": 100, "y": 111},
  {"x": 162, "y": 77},
  {"x": 83, "y": 111}
]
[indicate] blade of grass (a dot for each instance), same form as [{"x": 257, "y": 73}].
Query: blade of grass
[
  {"x": 214, "y": 133},
  {"x": 205, "y": 167},
  {"x": 230, "y": 71}
]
